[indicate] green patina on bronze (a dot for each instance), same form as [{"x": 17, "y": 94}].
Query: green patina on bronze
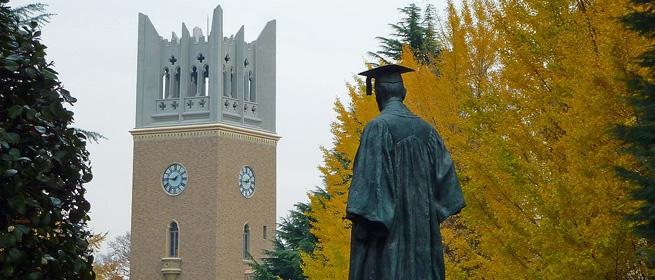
[{"x": 404, "y": 185}]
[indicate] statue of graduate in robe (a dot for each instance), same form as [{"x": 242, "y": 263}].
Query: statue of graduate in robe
[{"x": 403, "y": 186}]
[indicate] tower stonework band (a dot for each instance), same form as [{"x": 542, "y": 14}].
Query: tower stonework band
[{"x": 203, "y": 193}]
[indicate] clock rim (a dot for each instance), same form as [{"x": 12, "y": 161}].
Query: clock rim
[
  {"x": 161, "y": 181},
  {"x": 252, "y": 170}
]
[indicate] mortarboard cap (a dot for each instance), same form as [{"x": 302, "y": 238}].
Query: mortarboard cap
[{"x": 389, "y": 73}]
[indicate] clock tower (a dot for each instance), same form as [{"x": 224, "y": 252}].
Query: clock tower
[{"x": 203, "y": 193}]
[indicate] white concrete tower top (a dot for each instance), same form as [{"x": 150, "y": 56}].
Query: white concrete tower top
[{"x": 201, "y": 80}]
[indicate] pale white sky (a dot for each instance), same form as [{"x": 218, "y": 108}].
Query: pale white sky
[{"x": 320, "y": 46}]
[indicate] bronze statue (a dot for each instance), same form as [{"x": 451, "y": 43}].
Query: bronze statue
[{"x": 403, "y": 186}]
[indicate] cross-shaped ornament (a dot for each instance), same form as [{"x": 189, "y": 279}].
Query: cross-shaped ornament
[
  {"x": 173, "y": 60},
  {"x": 162, "y": 106},
  {"x": 227, "y": 58},
  {"x": 200, "y": 58}
]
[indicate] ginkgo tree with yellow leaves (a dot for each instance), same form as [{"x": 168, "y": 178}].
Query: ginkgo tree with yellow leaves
[
  {"x": 543, "y": 199},
  {"x": 525, "y": 95}
]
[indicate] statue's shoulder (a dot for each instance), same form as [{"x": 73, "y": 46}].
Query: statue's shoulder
[
  {"x": 379, "y": 122},
  {"x": 387, "y": 119},
  {"x": 403, "y": 120}
]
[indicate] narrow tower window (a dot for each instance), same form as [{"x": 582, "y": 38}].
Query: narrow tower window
[
  {"x": 176, "y": 83},
  {"x": 174, "y": 238},
  {"x": 251, "y": 86},
  {"x": 205, "y": 81},
  {"x": 246, "y": 242},
  {"x": 225, "y": 84},
  {"x": 194, "y": 82},
  {"x": 165, "y": 83},
  {"x": 246, "y": 88},
  {"x": 233, "y": 84},
  {"x": 264, "y": 233}
]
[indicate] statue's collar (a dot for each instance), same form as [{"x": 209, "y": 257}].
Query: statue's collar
[{"x": 396, "y": 107}]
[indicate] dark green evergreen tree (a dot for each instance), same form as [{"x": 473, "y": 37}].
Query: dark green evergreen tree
[
  {"x": 639, "y": 137},
  {"x": 292, "y": 238},
  {"x": 416, "y": 29},
  {"x": 43, "y": 163},
  {"x": 32, "y": 12}
]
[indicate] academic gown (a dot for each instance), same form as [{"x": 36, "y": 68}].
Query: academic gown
[{"x": 403, "y": 186}]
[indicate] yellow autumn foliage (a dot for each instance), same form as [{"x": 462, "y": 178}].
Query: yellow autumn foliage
[{"x": 524, "y": 95}]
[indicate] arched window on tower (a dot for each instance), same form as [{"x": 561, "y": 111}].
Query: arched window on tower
[
  {"x": 246, "y": 87},
  {"x": 176, "y": 83},
  {"x": 174, "y": 240},
  {"x": 193, "y": 91},
  {"x": 264, "y": 232},
  {"x": 165, "y": 83},
  {"x": 233, "y": 84},
  {"x": 251, "y": 86},
  {"x": 226, "y": 80},
  {"x": 205, "y": 81},
  {"x": 246, "y": 242}
]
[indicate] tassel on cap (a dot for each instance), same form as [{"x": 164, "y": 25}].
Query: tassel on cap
[{"x": 369, "y": 86}]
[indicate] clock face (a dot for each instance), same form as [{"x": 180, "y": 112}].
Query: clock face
[
  {"x": 174, "y": 180},
  {"x": 247, "y": 182}
]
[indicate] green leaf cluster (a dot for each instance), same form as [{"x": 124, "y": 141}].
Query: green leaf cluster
[
  {"x": 293, "y": 236},
  {"x": 43, "y": 163},
  {"x": 416, "y": 29},
  {"x": 639, "y": 136}
]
